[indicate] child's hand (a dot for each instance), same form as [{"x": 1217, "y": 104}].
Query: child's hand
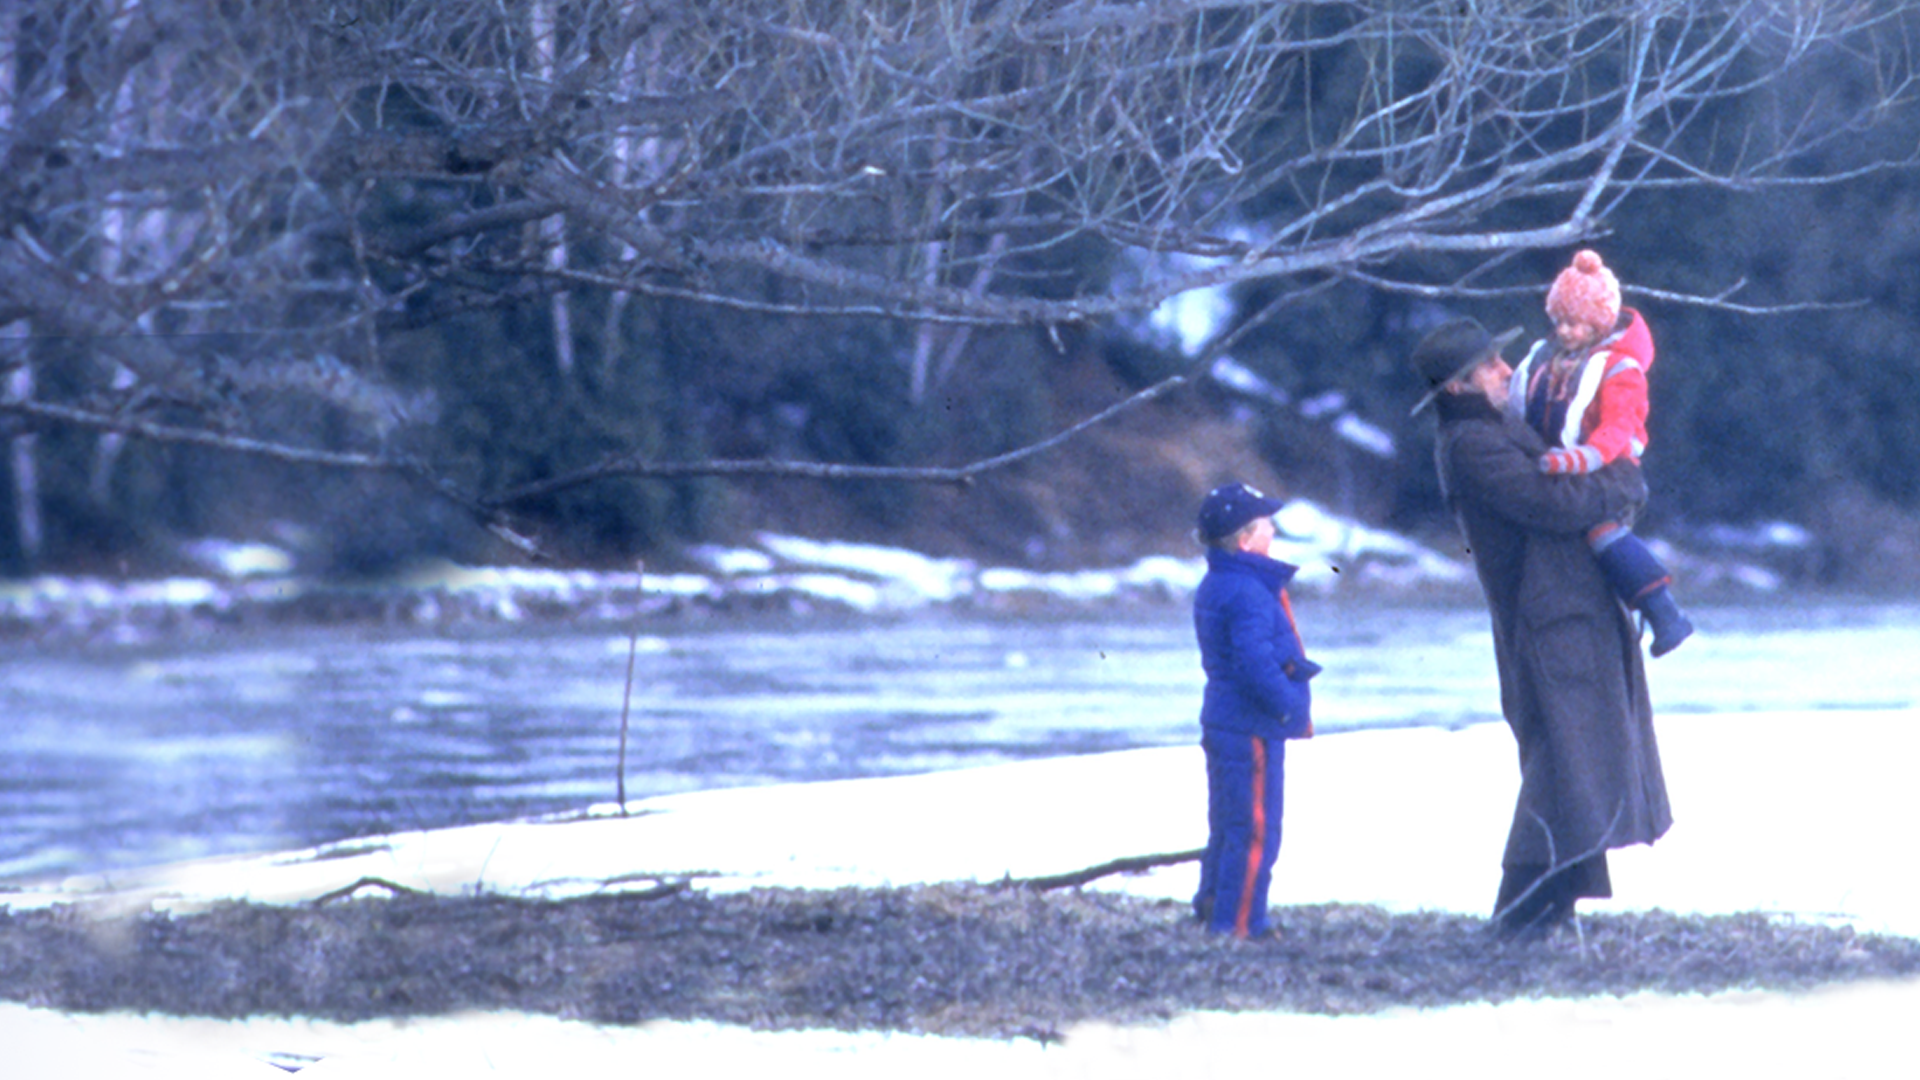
[
  {"x": 1574, "y": 459},
  {"x": 1301, "y": 670}
]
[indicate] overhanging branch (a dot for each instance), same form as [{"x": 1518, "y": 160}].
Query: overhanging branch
[
  {"x": 633, "y": 467},
  {"x": 134, "y": 427},
  {"x": 492, "y": 510}
]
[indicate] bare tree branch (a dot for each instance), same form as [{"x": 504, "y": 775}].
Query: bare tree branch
[
  {"x": 630, "y": 466},
  {"x": 1719, "y": 301},
  {"x": 178, "y": 176},
  {"x": 1557, "y": 865}
]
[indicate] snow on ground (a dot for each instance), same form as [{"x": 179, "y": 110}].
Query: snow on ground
[
  {"x": 1796, "y": 813},
  {"x": 780, "y": 569},
  {"x": 1843, "y": 1032},
  {"x": 1332, "y": 552},
  {"x": 1768, "y": 820}
]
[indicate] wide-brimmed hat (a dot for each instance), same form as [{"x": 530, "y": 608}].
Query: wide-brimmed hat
[
  {"x": 1228, "y": 508},
  {"x": 1450, "y": 351}
]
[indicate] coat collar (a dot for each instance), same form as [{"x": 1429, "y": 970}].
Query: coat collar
[
  {"x": 1270, "y": 572},
  {"x": 1466, "y": 407}
]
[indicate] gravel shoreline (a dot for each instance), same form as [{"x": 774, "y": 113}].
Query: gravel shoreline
[{"x": 952, "y": 959}]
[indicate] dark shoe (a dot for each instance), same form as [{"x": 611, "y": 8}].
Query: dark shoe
[
  {"x": 1203, "y": 910},
  {"x": 1536, "y": 917},
  {"x": 1670, "y": 625},
  {"x": 1540, "y": 927}
]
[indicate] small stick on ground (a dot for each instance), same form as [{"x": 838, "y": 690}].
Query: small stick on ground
[
  {"x": 1129, "y": 865},
  {"x": 626, "y": 701}
]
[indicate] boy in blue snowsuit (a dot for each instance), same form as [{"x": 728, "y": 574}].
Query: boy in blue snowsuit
[{"x": 1256, "y": 699}]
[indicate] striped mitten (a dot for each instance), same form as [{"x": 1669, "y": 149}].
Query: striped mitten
[{"x": 1571, "y": 459}]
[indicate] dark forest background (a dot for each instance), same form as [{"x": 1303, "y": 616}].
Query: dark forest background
[{"x": 1794, "y": 397}]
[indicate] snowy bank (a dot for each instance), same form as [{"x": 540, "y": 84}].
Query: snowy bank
[
  {"x": 780, "y": 574},
  {"x": 1791, "y": 813},
  {"x": 1767, "y": 820}
]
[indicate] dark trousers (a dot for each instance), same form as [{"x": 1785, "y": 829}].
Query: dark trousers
[
  {"x": 1631, "y": 568},
  {"x": 1245, "y": 777},
  {"x": 1553, "y": 901}
]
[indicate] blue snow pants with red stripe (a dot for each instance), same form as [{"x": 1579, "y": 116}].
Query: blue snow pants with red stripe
[{"x": 1245, "y": 775}]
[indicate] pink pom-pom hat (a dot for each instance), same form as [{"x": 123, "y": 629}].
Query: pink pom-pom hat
[{"x": 1586, "y": 292}]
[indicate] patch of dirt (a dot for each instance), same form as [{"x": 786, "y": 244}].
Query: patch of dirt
[{"x": 948, "y": 959}]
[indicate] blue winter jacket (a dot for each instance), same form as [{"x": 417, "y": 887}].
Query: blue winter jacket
[{"x": 1257, "y": 670}]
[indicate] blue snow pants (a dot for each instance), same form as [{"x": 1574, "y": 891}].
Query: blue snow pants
[{"x": 1245, "y": 775}]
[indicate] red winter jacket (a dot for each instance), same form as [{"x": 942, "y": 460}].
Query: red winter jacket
[{"x": 1599, "y": 401}]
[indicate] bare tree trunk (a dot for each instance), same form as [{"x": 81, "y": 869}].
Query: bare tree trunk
[
  {"x": 960, "y": 335},
  {"x": 26, "y": 495},
  {"x": 562, "y": 313},
  {"x": 627, "y": 153},
  {"x": 118, "y": 231},
  {"x": 26, "y": 483},
  {"x": 933, "y": 252},
  {"x": 106, "y": 453},
  {"x": 553, "y": 231}
]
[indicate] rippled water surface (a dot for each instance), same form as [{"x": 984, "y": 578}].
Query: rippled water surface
[{"x": 129, "y": 756}]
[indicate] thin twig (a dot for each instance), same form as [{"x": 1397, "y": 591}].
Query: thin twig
[
  {"x": 1129, "y": 865},
  {"x": 1553, "y": 865},
  {"x": 626, "y": 699},
  {"x": 632, "y": 465}
]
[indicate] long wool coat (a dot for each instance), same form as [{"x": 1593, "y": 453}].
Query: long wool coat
[{"x": 1572, "y": 684}]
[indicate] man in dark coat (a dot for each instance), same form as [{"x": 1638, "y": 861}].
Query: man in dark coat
[{"x": 1572, "y": 684}]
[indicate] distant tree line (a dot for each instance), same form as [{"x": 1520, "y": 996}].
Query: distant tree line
[{"x": 383, "y": 278}]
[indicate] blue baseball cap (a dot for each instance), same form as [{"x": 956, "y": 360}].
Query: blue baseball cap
[{"x": 1228, "y": 508}]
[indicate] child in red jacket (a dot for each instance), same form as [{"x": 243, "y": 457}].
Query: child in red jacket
[{"x": 1586, "y": 394}]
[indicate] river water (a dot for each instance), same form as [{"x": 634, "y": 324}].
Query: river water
[{"x": 122, "y": 756}]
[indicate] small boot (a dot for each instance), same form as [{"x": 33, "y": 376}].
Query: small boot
[
  {"x": 1670, "y": 625},
  {"x": 1637, "y": 577}
]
